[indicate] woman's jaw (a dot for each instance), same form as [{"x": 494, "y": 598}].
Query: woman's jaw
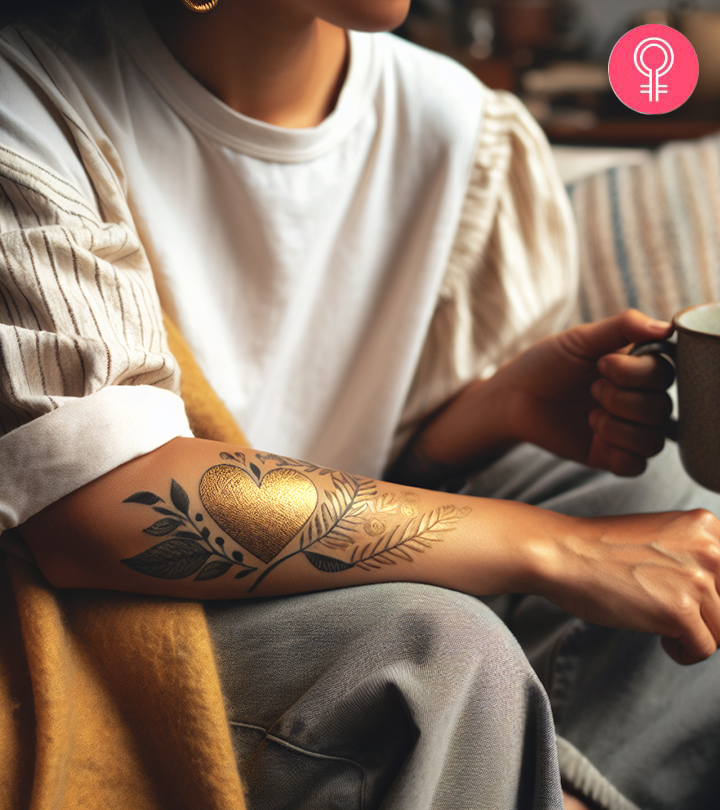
[{"x": 357, "y": 15}]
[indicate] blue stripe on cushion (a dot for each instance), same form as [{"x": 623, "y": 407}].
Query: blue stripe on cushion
[{"x": 619, "y": 240}]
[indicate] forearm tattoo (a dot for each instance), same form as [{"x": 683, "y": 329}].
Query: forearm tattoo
[{"x": 271, "y": 511}]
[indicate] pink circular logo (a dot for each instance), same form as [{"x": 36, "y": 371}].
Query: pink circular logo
[{"x": 653, "y": 69}]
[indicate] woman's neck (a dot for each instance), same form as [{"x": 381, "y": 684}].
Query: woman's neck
[{"x": 265, "y": 60}]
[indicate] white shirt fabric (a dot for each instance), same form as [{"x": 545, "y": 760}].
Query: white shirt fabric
[{"x": 325, "y": 278}]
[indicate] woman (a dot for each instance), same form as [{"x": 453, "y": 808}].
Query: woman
[{"x": 354, "y": 236}]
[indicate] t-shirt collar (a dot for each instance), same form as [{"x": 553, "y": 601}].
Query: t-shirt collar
[{"x": 207, "y": 114}]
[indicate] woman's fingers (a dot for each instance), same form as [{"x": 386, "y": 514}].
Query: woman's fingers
[
  {"x": 700, "y": 620},
  {"x": 686, "y": 655},
  {"x": 656, "y": 573},
  {"x": 606, "y": 456},
  {"x": 632, "y": 437},
  {"x": 649, "y": 372},
  {"x": 695, "y": 594},
  {"x": 593, "y": 340},
  {"x": 629, "y": 425},
  {"x": 699, "y": 640},
  {"x": 648, "y": 408}
]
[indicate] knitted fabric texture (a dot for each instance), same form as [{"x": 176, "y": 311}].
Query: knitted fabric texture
[{"x": 110, "y": 700}]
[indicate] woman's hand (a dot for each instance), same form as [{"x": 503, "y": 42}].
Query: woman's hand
[
  {"x": 657, "y": 573},
  {"x": 582, "y": 396},
  {"x": 578, "y": 394}
]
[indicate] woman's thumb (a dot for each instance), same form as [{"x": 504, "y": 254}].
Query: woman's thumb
[{"x": 593, "y": 340}]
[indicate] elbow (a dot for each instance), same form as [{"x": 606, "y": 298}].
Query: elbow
[
  {"x": 62, "y": 570},
  {"x": 64, "y": 558}
]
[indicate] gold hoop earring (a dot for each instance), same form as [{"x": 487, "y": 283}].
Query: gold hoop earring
[{"x": 200, "y": 8}]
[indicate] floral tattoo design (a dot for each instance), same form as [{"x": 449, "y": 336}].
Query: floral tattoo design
[{"x": 273, "y": 511}]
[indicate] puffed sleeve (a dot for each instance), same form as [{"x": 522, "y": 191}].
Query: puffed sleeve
[
  {"x": 512, "y": 276},
  {"x": 86, "y": 378}
]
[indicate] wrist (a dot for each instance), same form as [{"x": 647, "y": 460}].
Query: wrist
[
  {"x": 468, "y": 432},
  {"x": 546, "y": 568},
  {"x": 514, "y": 548},
  {"x": 474, "y": 428}
]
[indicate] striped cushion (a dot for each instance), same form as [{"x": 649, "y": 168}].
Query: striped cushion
[{"x": 650, "y": 234}]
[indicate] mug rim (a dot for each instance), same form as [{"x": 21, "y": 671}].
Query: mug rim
[{"x": 680, "y": 328}]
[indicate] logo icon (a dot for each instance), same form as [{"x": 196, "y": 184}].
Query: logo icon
[{"x": 653, "y": 69}]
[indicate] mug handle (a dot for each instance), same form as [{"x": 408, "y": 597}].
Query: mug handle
[{"x": 669, "y": 350}]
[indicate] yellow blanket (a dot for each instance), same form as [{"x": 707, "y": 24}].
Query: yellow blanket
[{"x": 111, "y": 701}]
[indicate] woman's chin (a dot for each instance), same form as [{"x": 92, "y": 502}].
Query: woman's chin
[{"x": 363, "y": 15}]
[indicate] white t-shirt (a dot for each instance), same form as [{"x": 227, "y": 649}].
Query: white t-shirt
[{"x": 312, "y": 271}]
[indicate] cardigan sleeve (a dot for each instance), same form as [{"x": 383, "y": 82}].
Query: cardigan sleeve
[
  {"x": 86, "y": 378},
  {"x": 512, "y": 275}
]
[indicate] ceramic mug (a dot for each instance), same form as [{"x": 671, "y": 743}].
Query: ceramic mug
[{"x": 697, "y": 361}]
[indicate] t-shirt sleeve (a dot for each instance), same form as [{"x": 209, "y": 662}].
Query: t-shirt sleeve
[
  {"x": 512, "y": 276},
  {"x": 86, "y": 378}
]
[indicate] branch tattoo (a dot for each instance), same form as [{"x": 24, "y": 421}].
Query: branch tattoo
[{"x": 262, "y": 509}]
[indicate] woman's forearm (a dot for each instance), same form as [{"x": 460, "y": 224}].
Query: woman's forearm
[
  {"x": 205, "y": 520},
  {"x": 468, "y": 432}
]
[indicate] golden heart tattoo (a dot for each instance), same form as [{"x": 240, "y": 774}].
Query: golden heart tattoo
[{"x": 263, "y": 518}]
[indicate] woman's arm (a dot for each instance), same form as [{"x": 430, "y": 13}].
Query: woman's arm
[
  {"x": 578, "y": 394},
  {"x": 205, "y": 520}
]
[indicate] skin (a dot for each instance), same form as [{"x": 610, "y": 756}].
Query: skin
[
  {"x": 573, "y": 803},
  {"x": 578, "y": 394},
  {"x": 279, "y": 61},
  {"x": 657, "y": 572}
]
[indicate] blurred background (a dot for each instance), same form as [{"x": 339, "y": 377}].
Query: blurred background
[{"x": 554, "y": 54}]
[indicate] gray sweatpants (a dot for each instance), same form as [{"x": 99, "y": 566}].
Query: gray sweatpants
[{"x": 411, "y": 697}]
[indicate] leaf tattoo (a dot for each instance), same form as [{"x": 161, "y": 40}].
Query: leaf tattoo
[
  {"x": 163, "y": 527},
  {"x": 176, "y": 558},
  {"x": 147, "y": 498},
  {"x": 190, "y": 547},
  {"x": 416, "y": 536},
  {"x": 214, "y": 570},
  {"x": 162, "y": 511},
  {"x": 348, "y": 510},
  {"x": 180, "y": 498},
  {"x": 329, "y": 565},
  {"x": 284, "y": 461},
  {"x": 337, "y": 517}
]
